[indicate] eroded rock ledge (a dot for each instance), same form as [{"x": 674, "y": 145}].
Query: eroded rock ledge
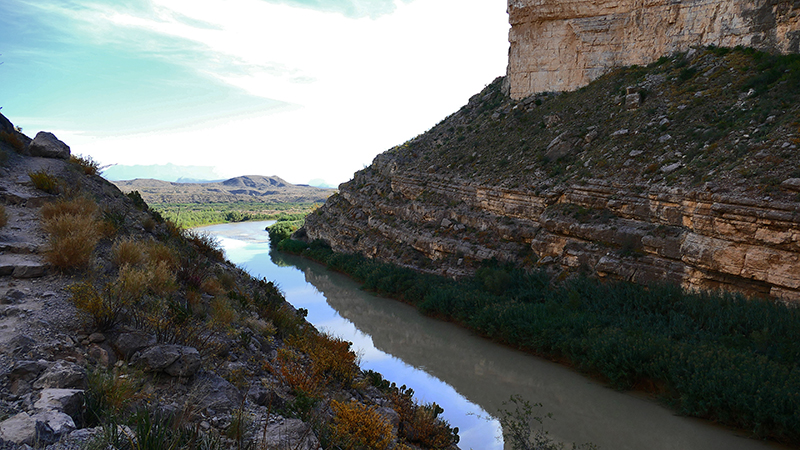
[
  {"x": 697, "y": 238},
  {"x": 563, "y": 45}
]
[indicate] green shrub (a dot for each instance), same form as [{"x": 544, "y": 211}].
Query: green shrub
[{"x": 44, "y": 181}]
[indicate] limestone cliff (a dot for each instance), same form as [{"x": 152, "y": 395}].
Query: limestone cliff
[
  {"x": 561, "y": 45},
  {"x": 690, "y": 176}
]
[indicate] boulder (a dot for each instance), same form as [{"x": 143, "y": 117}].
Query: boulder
[
  {"x": 27, "y": 370},
  {"x": 52, "y": 426},
  {"x": 126, "y": 344},
  {"x": 174, "y": 360},
  {"x": 62, "y": 375},
  {"x": 290, "y": 433},
  {"x": 19, "y": 429},
  {"x": 215, "y": 393},
  {"x": 68, "y": 401},
  {"x": 47, "y": 145}
]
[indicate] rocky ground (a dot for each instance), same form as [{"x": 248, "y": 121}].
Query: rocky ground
[{"x": 207, "y": 357}]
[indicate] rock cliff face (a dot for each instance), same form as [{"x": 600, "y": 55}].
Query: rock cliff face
[
  {"x": 685, "y": 187},
  {"x": 561, "y": 45}
]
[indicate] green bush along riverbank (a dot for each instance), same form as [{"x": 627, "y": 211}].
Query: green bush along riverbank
[{"x": 708, "y": 354}]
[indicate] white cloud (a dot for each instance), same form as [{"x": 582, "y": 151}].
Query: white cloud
[{"x": 362, "y": 85}]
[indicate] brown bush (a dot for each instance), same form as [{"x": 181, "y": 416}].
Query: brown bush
[
  {"x": 297, "y": 373},
  {"x": 421, "y": 424},
  {"x": 13, "y": 140},
  {"x": 3, "y": 216},
  {"x": 127, "y": 251},
  {"x": 162, "y": 279},
  {"x": 357, "y": 426},
  {"x": 158, "y": 252},
  {"x": 73, "y": 239},
  {"x": 75, "y": 206}
]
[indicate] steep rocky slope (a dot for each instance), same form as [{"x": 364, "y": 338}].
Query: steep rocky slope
[
  {"x": 119, "y": 330},
  {"x": 561, "y": 45},
  {"x": 685, "y": 170}
]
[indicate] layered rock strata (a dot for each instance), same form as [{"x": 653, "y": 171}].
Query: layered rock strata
[
  {"x": 563, "y": 45},
  {"x": 446, "y": 225}
]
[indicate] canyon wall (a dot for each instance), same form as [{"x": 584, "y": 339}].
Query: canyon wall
[
  {"x": 698, "y": 239},
  {"x": 561, "y": 45}
]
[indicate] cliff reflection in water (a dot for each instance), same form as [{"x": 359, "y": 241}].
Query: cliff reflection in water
[{"x": 488, "y": 374}]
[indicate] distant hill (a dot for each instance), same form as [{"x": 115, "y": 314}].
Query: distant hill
[{"x": 249, "y": 188}]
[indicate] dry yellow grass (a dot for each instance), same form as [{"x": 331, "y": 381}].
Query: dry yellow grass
[
  {"x": 127, "y": 251},
  {"x": 158, "y": 252},
  {"x": 75, "y": 206},
  {"x": 73, "y": 239}
]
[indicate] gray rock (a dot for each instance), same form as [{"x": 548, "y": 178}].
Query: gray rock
[
  {"x": 5, "y": 124},
  {"x": 791, "y": 184},
  {"x": 174, "y": 360},
  {"x": 216, "y": 393},
  {"x": 19, "y": 429},
  {"x": 96, "y": 338},
  {"x": 290, "y": 433},
  {"x": 51, "y": 426},
  {"x": 20, "y": 345},
  {"x": 47, "y": 145},
  {"x": 27, "y": 370},
  {"x": 62, "y": 375},
  {"x": 68, "y": 401},
  {"x": 669, "y": 168},
  {"x": 129, "y": 343},
  {"x": 12, "y": 296},
  {"x": 263, "y": 396}
]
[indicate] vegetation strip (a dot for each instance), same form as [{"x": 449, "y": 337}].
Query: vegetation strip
[
  {"x": 189, "y": 215},
  {"x": 718, "y": 356}
]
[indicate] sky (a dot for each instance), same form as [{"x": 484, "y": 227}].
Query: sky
[{"x": 301, "y": 89}]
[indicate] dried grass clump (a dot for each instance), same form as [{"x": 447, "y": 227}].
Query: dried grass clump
[
  {"x": 421, "y": 424},
  {"x": 97, "y": 305},
  {"x": 3, "y": 216},
  {"x": 162, "y": 279},
  {"x": 13, "y": 140},
  {"x": 86, "y": 164},
  {"x": 294, "y": 371},
  {"x": 222, "y": 312},
  {"x": 158, "y": 252},
  {"x": 74, "y": 206},
  {"x": 127, "y": 251},
  {"x": 357, "y": 426},
  {"x": 73, "y": 238}
]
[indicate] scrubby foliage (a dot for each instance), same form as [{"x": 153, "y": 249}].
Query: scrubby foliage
[
  {"x": 357, "y": 426},
  {"x": 86, "y": 164},
  {"x": 713, "y": 355},
  {"x": 74, "y": 229},
  {"x": 45, "y": 181},
  {"x": 284, "y": 227},
  {"x": 13, "y": 140},
  {"x": 197, "y": 214}
]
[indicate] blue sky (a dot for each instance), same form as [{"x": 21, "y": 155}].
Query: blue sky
[{"x": 302, "y": 89}]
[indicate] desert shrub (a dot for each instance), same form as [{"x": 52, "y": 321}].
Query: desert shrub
[
  {"x": 421, "y": 424},
  {"x": 109, "y": 393},
  {"x": 45, "y": 181},
  {"x": 127, "y": 251},
  {"x": 222, "y": 312},
  {"x": 295, "y": 371},
  {"x": 99, "y": 307},
  {"x": 3, "y": 216},
  {"x": 205, "y": 244},
  {"x": 85, "y": 164},
  {"x": 357, "y": 426},
  {"x": 73, "y": 239},
  {"x": 331, "y": 356},
  {"x": 158, "y": 252},
  {"x": 211, "y": 286},
  {"x": 148, "y": 224},
  {"x": 162, "y": 279},
  {"x": 75, "y": 206}
]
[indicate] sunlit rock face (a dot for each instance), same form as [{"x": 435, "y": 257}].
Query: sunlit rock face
[{"x": 561, "y": 45}]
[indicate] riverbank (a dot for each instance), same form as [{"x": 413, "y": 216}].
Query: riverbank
[{"x": 719, "y": 357}]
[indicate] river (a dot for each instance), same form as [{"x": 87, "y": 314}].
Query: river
[{"x": 470, "y": 377}]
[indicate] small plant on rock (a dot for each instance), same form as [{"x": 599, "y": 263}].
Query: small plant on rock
[{"x": 86, "y": 164}]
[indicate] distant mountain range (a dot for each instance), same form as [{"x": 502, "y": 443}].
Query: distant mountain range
[{"x": 249, "y": 188}]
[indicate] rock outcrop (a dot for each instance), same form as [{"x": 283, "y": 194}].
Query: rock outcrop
[
  {"x": 582, "y": 182},
  {"x": 559, "y": 45}
]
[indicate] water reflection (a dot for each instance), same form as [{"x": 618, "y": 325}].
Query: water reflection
[{"x": 458, "y": 370}]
